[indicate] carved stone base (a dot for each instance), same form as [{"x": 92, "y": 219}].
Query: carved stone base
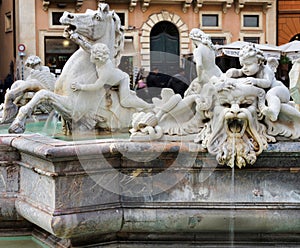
[{"x": 200, "y": 203}]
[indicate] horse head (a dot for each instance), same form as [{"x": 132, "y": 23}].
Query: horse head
[{"x": 101, "y": 25}]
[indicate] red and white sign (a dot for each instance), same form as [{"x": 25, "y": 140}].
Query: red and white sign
[{"x": 21, "y": 47}]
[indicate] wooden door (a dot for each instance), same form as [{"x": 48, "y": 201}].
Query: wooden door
[{"x": 164, "y": 47}]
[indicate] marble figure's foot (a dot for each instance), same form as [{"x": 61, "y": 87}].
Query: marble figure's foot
[{"x": 269, "y": 113}]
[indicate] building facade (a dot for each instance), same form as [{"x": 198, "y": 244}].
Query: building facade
[
  {"x": 156, "y": 31},
  {"x": 7, "y": 39}
]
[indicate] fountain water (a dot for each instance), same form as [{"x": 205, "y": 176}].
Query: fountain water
[
  {"x": 21, "y": 241},
  {"x": 232, "y": 193},
  {"x": 52, "y": 125}
]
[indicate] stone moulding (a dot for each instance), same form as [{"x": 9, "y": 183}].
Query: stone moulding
[{"x": 59, "y": 194}]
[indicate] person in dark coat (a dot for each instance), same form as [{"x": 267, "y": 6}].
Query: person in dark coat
[
  {"x": 155, "y": 82},
  {"x": 153, "y": 78},
  {"x": 8, "y": 81},
  {"x": 179, "y": 83}
]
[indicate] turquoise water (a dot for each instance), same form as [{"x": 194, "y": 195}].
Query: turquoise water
[
  {"x": 21, "y": 242},
  {"x": 53, "y": 129},
  {"x": 31, "y": 127}
]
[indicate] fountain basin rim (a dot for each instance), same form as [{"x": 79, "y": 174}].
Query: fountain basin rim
[{"x": 50, "y": 148}]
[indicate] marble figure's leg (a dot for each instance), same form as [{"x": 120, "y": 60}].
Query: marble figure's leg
[
  {"x": 57, "y": 101},
  {"x": 10, "y": 108}
]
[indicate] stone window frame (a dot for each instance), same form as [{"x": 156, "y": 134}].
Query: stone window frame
[
  {"x": 50, "y": 11},
  {"x": 134, "y": 37},
  {"x": 42, "y": 35},
  {"x": 260, "y": 20},
  {"x": 226, "y": 35},
  {"x": 184, "y": 40},
  {"x": 218, "y": 13},
  {"x": 125, "y": 12},
  {"x": 8, "y": 22},
  {"x": 260, "y": 35}
]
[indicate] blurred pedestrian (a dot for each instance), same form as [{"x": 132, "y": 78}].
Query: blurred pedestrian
[
  {"x": 153, "y": 79},
  {"x": 156, "y": 81},
  {"x": 141, "y": 86},
  {"x": 8, "y": 81},
  {"x": 140, "y": 76},
  {"x": 179, "y": 83}
]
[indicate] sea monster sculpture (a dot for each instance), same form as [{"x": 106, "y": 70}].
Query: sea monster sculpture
[
  {"x": 85, "y": 110},
  {"x": 234, "y": 115}
]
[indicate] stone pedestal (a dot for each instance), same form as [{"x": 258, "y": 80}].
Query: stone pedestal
[
  {"x": 85, "y": 192},
  {"x": 11, "y": 223}
]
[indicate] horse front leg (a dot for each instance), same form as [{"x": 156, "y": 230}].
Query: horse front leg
[
  {"x": 18, "y": 125},
  {"x": 18, "y": 89}
]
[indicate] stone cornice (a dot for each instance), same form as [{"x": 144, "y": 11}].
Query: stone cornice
[
  {"x": 46, "y": 3},
  {"x": 195, "y": 4}
]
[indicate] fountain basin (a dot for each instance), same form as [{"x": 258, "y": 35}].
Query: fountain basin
[{"x": 55, "y": 188}]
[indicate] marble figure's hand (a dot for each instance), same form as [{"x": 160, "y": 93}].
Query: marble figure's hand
[
  {"x": 74, "y": 36},
  {"x": 75, "y": 86},
  {"x": 231, "y": 73},
  {"x": 249, "y": 80}
]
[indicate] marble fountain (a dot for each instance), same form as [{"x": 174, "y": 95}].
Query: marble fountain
[{"x": 217, "y": 168}]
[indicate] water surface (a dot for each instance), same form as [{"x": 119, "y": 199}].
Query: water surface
[{"x": 21, "y": 242}]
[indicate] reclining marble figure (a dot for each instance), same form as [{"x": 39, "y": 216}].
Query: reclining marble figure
[{"x": 39, "y": 77}]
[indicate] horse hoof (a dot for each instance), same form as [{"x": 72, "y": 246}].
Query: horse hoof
[
  {"x": 9, "y": 113},
  {"x": 16, "y": 127}
]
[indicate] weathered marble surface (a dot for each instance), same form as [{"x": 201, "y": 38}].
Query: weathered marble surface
[
  {"x": 294, "y": 76},
  {"x": 59, "y": 194},
  {"x": 37, "y": 77},
  {"x": 10, "y": 221},
  {"x": 80, "y": 97},
  {"x": 234, "y": 115}
]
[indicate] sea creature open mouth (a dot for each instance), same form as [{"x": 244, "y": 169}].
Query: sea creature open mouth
[
  {"x": 235, "y": 126},
  {"x": 70, "y": 28}
]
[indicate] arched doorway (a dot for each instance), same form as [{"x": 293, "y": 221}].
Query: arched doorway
[{"x": 164, "y": 47}]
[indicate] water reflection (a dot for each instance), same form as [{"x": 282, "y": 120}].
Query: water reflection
[{"x": 23, "y": 241}]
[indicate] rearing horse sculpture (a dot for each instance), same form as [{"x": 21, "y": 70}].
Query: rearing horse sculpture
[{"x": 84, "y": 109}]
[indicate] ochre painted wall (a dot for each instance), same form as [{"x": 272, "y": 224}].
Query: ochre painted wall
[{"x": 6, "y": 41}]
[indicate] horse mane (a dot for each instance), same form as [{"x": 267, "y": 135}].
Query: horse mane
[
  {"x": 119, "y": 31},
  {"x": 119, "y": 37}
]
